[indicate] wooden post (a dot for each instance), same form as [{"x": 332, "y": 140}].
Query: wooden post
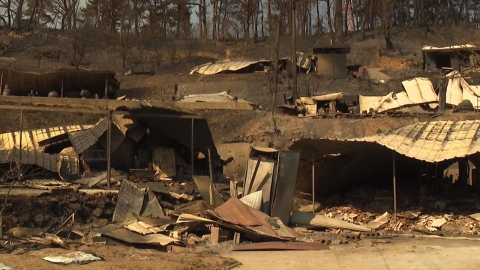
[
  {"x": 20, "y": 152},
  {"x": 109, "y": 147},
  {"x": 191, "y": 149},
  {"x": 313, "y": 182},
  {"x": 1, "y": 82},
  {"x": 106, "y": 88},
  {"x": 212, "y": 202},
  {"x": 294, "y": 52},
  {"x": 436, "y": 180},
  {"x": 394, "y": 190}
]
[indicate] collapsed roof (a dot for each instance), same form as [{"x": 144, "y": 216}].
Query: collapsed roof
[
  {"x": 304, "y": 61},
  {"x": 342, "y": 163}
]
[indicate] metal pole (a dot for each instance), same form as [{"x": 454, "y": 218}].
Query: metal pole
[
  {"x": 21, "y": 137},
  {"x": 61, "y": 91},
  {"x": 1, "y": 82},
  {"x": 294, "y": 53},
  {"x": 109, "y": 147},
  {"x": 394, "y": 190},
  {"x": 313, "y": 182},
  {"x": 212, "y": 202},
  {"x": 191, "y": 150}
]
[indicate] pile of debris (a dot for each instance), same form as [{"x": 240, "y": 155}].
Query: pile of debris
[{"x": 426, "y": 215}]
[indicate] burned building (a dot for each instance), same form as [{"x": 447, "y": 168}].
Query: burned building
[
  {"x": 454, "y": 57},
  {"x": 332, "y": 60}
]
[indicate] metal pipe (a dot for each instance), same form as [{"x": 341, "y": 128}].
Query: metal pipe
[
  {"x": 394, "y": 190},
  {"x": 21, "y": 137},
  {"x": 191, "y": 149},
  {"x": 61, "y": 90},
  {"x": 313, "y": 182},
  {"x": 109, "y": 147},
  {"x": 212, "y": 202},
  {"x": 253, "y": 176},
  {"x": 428, "y": 178}
]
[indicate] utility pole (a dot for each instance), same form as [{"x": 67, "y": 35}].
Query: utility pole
[{"x": 294, "y": 52}]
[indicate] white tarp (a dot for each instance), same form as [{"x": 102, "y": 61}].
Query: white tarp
[{"x": 74, "y": 257}]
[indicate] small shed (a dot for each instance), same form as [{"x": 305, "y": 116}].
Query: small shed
[
  {"x": 454, "y": 56},
  {"x": 332, "y": 60}
]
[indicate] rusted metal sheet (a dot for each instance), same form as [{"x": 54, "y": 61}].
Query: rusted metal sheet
[
  {"x": 228, "y": 66},
  {"x": 236, "y": 213},
  {"x": 203, "y": 185},
  {"x": 235, "y": 155},
  {"x": 280, "y": 246}
]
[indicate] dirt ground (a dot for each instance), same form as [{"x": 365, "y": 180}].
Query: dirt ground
[
  {"x": 404, "y": 253},
  {"x": 120, "y": 257}
]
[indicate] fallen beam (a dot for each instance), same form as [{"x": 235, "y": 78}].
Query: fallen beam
[{"x": 280, "y": 246}]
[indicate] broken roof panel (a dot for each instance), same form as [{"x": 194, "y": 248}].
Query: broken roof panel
[
  {"x": 427, "y": 48},
  {"x": 225, "y": 65},
  {"x": 34, "y": 139},
  {"x": 82, "y": 140}
]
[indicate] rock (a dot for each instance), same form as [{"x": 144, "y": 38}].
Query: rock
[
  {"x": 192, "y": 240},
  {"x": 454, "y": 228},
  {"x": 75, "y": 206},
  {"x": 97, "y": 212},
  {"x": 309, "y": 208},
  {"x": 38, "y": 219}
]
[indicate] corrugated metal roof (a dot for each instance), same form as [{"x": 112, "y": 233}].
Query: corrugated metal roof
[
  {"x": 427, "y": 48},
  {"x": 32, "y": 138},
  {"x": 31, "y": 157},
  {"x": 217, "y": 97},
  {"x": 432, "y": 141},
  {"x": 82, "y": 140},
  {"x": 224, "y": 65}
]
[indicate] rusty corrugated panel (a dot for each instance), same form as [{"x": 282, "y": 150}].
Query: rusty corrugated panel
[
  {"x": 280, "y": 246},
  {"x": 82, "y": 140},
  {"x": 237, "y": 213},
  {"x": 224, "y": 65}
]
